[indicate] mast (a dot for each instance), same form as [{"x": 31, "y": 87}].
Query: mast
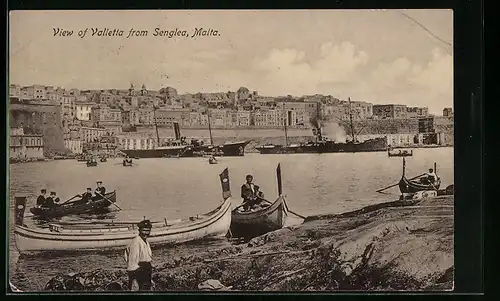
[
  {"x": 286, "y": 133},
  {"x": 156, "y": 126},
  {"x": 210, "y": 127},
  {"x": 350, "y": 121}
]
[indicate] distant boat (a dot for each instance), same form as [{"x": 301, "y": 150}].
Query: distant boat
[
  {"x": 400, "y": 153},
  {"x": 91, "y": 163},
  {"x": 322, "y": 145},
  {"x": 182, "y": 148}
]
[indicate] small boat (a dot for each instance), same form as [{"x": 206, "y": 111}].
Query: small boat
[
  {"x": 91, "y": 163},
  {"x": 105, "y": 236},
  {"x": 412, "y": 186},
  {"x": 400, "y": 153},
  {"x": 212, "y": 161},
  {"x": 104, "y": 160},
  {"x": 127, "y": 163},
  {"x": 268, "y": 217},
  {"x": 74, "y": 207}
]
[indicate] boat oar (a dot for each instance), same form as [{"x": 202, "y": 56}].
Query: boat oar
[
  {"x": 380, "y": 190},
  {"x": 108, "y": 200},
  {"x": 69, "y": 200}
]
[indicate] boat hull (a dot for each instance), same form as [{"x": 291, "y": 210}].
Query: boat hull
[
  {"x": 372, "y": 145},
  {"x": 210, "y": 225},
  {"x": 252, "y": 224},
  {"x": 75, "y": 208},
  {"x": 235, "y": 149},
  {"x": 406, "y": 186}
]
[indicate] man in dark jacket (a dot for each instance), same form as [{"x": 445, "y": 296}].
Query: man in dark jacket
[
  {"x": 40, "y": 200},
  {"x": 99, "y": 191},
  {"x": 49, "y": 202},
  {"x": 250, "y": 194},
  {"x": 87, "y": 196}
]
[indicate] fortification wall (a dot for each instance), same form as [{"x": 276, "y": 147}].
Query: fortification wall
[{"x": 42, "y": 119}]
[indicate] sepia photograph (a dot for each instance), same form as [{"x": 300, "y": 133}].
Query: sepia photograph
[{"x": 230, "y": 151}]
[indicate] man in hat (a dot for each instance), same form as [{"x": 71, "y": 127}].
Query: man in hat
[
  {"x": 138, "y": 257},
  {"x": 250, "y": 193},
  {"x": 40, "y": 200},
  {"x": 50, "y": 201},
  {"x": 86, "y": 196},
  {"x": 100, "y": 191}
]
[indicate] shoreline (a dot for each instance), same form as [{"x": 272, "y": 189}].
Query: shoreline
[
  {"x": 251, "y": 150},
  {"x": 397, "y": 245}
]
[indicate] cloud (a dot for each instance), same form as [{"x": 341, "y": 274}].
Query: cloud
[
  {"x": 216, "y": 55},
  {"x": 286, "y": 71}
]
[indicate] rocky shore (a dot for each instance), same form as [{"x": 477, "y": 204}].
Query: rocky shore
[{"x": 399, "y": 245}]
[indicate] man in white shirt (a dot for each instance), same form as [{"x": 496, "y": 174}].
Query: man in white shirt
[
  {"x": 430, "y": 177},
  {"x": 138, "y": 257}
]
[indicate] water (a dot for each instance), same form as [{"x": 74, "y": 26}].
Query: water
[{"x": 175, "y": 188}]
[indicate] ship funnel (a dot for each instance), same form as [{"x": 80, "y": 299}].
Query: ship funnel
[
  {"x": 177, "y": 131},
  {"x": 20, "y": 208}
]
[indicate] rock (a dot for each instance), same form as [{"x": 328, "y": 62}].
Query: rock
[
  {"x": 213, "y": 285},
  {"x": 387, "y": 247}
]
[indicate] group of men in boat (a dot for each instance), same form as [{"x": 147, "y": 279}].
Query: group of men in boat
[
  {"x": 53, "y": 201},
  {"x": 127, "y": 160},
  {"x": 47, "y": 202}
]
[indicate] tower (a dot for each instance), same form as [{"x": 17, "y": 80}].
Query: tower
[{"x": 131, "y": 90}]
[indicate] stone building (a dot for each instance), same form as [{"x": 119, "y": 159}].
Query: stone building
[{"x": 24, "y": 146}]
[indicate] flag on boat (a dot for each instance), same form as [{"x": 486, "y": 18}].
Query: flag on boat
[{"x": 224, "y": 180}]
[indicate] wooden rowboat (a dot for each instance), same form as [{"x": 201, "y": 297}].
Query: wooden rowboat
[
  {"x": 125, "y": 163},
  {"x": 64, "y": 238},
  {"x": 411, "y": 186},
  {"x": 272, "y": 217},
  {"x": 75, "y": 207},
  {"x": 91, "y": 163},
  {"x": 407, "y": 186}
]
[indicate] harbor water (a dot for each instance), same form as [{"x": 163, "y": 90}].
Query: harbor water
[{"x": 173, "y": 188}]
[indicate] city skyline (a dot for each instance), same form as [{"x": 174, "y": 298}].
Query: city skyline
[{"x": 380, "y": 57}]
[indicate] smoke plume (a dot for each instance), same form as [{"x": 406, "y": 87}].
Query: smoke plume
[{"x": 334, "y": 131}]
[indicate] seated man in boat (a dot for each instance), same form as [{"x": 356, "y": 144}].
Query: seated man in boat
[
  {"x": 429, "y": 177},
  {"x": 138, "y": 256},
  {"x": 54, "y": 197},
  {"x": 99, "y": 191},
  {"x": 251, "y": 194},
  {"x": 86, "y": 196},
  {"x": 40, "y": 200},
  {"x": 49, "y": 202}
]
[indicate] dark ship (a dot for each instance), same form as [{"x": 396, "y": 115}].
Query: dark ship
[
  {"x": 181, "y": 148},
  {"x": 322, "y": 144}
]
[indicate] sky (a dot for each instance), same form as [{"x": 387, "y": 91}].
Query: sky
[{"x": 379, "y": 56}]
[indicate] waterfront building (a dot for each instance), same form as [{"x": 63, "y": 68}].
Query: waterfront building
[
  {"x": 74, "y": 145},
  {"x": 390, "y": 111},
  {"x": 84, "y": 110},
  {"x": 24, "y": 146}
]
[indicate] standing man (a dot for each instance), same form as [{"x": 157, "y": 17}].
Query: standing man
[
  {"x": 40, "y": 200},
  {"x": 138, "y": 257}
]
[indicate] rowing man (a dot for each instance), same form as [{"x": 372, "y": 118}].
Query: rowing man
[
  {"x": 429, "y": 177},
  {"x": 138, "y": 256},
  {"x": 100, "y": 191}
]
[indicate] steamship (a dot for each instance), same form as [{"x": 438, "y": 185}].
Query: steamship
[
  {"x": 181, "y": 148},
  {"x": 322, "y": 144}
]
